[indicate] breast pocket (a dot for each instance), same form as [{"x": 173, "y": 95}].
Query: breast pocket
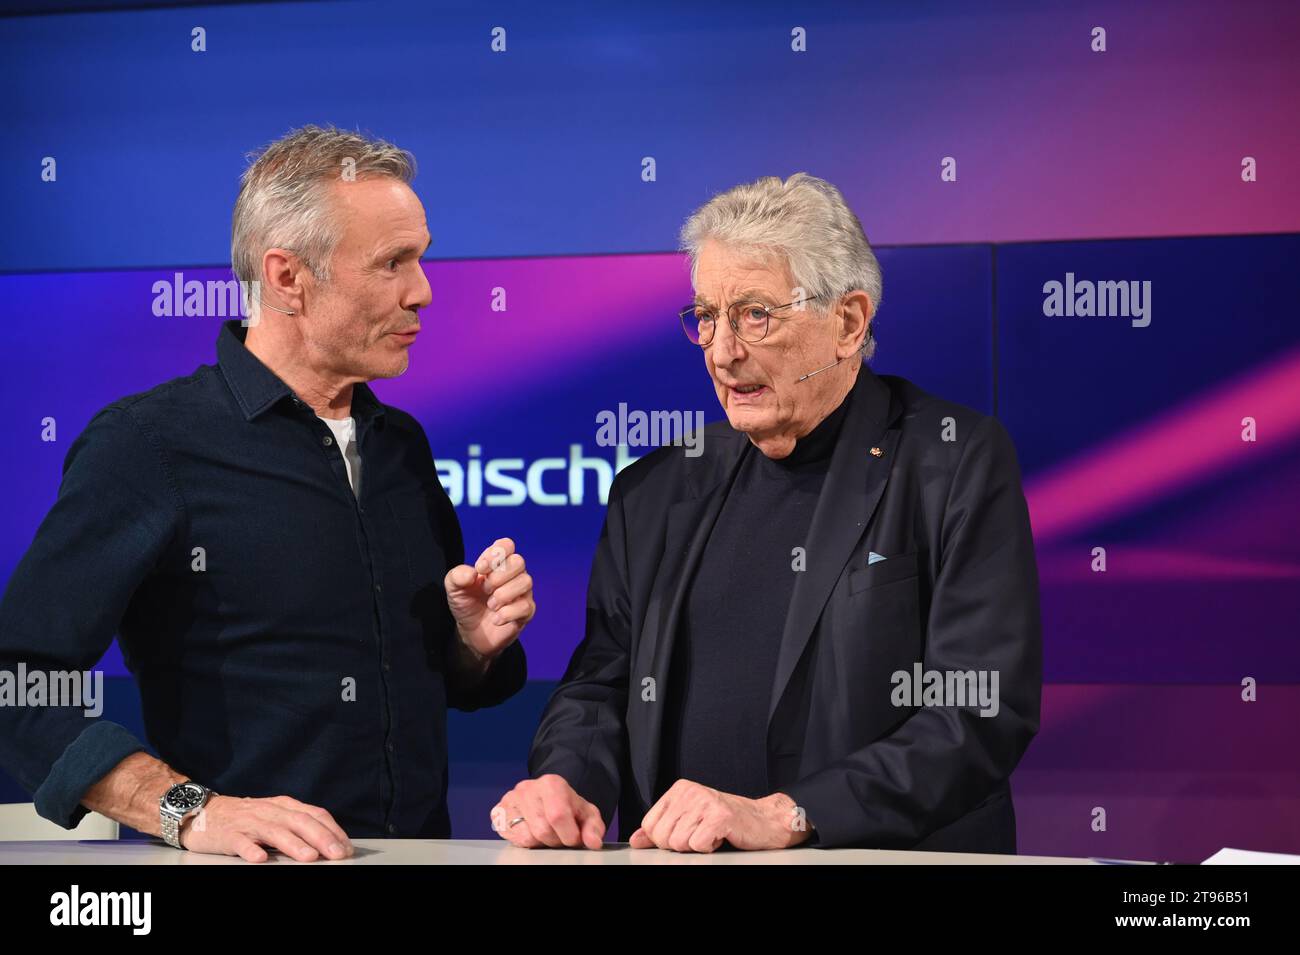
[
  {"x": 891, "y": 570},
  {"x": 886, "y": 597}
]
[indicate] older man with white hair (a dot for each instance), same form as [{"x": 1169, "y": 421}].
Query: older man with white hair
[
  {"x": 825, "y": 628},
  {"x": 273, "y": 547}
]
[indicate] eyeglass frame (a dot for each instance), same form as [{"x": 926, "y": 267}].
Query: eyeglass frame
[{"x": 767, "y": 329}]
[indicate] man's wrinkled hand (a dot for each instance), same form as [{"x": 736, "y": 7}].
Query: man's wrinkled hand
[
  {"x": 547, "y": 812},
  {"x": 691, "y": 817}
]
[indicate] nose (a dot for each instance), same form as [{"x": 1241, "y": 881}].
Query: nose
[
  {"x": 420, "y": 295},
  {"x": 725, "y": 347}
]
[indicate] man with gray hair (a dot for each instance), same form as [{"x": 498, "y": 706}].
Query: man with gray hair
[
  {"x": 273, "y": 547},
  {"x": 750, "y": 610}
]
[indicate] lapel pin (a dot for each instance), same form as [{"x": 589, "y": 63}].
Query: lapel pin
[{"x": 877, "y": 453}]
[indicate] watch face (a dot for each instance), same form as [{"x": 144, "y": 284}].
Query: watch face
[{"x": 184, "y": 796}]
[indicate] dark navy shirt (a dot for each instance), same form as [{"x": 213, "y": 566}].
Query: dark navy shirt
[{"x": 286, "y": 636}]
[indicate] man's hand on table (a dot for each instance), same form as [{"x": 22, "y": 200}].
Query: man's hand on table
[
  {"x": 690, "y": 817},
  {"x": 226, "y": 825},
  {"x": 550, "y": 813},
  {"x": 241, "y": 826}
]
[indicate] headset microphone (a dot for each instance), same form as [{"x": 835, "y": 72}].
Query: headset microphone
[
  {"x": 273, "y": 308},
  {"x": 865, "y": 343}
]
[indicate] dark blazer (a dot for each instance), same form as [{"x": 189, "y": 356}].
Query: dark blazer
[{"x": 932, "y": 486}]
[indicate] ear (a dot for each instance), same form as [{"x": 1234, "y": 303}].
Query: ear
[
  {"x": 853, "y": 323},
  {"x": 283, "y": 279}
]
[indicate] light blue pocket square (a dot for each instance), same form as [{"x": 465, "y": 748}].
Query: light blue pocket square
[{"x": 874, "y": 558}]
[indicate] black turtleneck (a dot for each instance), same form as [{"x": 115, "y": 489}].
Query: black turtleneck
[{"x": 724, "y": 657}]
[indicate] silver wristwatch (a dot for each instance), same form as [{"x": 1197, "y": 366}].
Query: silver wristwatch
[{"x": 177, "y": 803}]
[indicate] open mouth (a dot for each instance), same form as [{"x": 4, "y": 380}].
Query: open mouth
[{"x": 748, "y": 391}]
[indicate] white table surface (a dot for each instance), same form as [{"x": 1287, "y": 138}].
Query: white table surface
[{"x": 492, "y": 852}]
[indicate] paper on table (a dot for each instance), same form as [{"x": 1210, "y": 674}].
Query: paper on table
[{"x": 1247, "y": 857}]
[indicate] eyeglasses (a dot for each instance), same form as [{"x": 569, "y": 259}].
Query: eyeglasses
[{"x": 749, "y": 320}]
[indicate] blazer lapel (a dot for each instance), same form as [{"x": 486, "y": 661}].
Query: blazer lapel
[{"x": 853, "y": 487}]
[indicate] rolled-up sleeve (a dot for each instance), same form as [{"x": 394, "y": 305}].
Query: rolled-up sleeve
[{"x": 116, "y": 515}]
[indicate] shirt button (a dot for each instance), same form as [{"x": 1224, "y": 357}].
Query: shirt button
[
  {"x": 327, "y": 440},
  {"x": 390, "y": 747},
  {"x": 391, "y": 828},
  {"x": 379, "y": 588},
  {"x": 387, "y": 666}
]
